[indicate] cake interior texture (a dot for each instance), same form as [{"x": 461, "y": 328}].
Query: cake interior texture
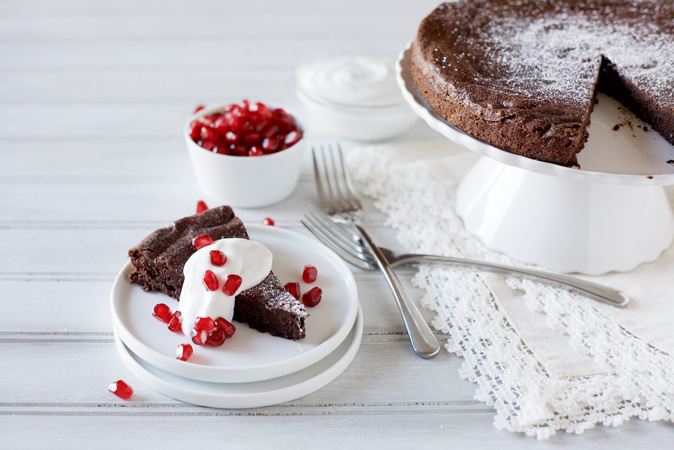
[
  {"x": 158, "y": 262},
  {"x": 522, "y": 75}
]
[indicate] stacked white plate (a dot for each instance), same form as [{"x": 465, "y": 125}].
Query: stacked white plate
[{"x": 251, "y": 369}]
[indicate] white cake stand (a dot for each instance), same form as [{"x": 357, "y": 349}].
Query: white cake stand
[{"x": 610, "y": 215}]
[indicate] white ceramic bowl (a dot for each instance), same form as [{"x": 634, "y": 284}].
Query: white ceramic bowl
[
  {"x": 354, "y": 96},
  {"x": 245, "y": 181},
  {"x": 359, "y": 122}
]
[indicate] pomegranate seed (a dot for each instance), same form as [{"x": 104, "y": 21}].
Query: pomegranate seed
[
  {"x": 262, "y": 110},
  {"x": 312, "y": 297},
  {"x": 238, "y": 150},
  {"x": 216, "y": 338},
  {"x": 121, "y": 389},
  {"x": 201, "y": 206},
  {"x": 208, "y": 145},
  {"x": 226, "y": 326},
  {"x": 211, "y": 281},
  {"x": 255, "y": 151},
  {"x": 268, "y": 221},
  {"x": 309, "y": 274},
  {"x": 231, "y": 137},
  {"x": 204, "y": 324},
  {"x": 292, "y": 138},
  {"x": 198, "y": 108},
  {"x": 184, "y": 351},
  {"x": 209, "y": 121},
  {"x": 251, "y": 138},
  {"x": 201, "y": 241},
  {"x": 175, "y": 322},
  {"x": 218, "y": 258},
  {"x": 232, "y": 284},
  {"x": 209, "y": 134},
  {"x": 293, "y": 289},
  {"x": 162, "y": 312},
  {"x": 269, "y": 145},
  {"x": 270, "y": 132},
  {"x": 199, "y": 337},
  {"x": 195, "y": 130}
]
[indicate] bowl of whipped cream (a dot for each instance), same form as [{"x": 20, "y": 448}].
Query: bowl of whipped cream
[{"x": 355, "y": 97}]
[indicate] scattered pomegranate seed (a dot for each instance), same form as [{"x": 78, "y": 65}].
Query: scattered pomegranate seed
[
  {"x": 226, "y": 326},
  {"x": 175, "y": 322},
  {"x": 201, "y": 206},
  {"x": 268, "y": 221},
  {"x": 204, "y": 324},
  {"x": 218, "y": 258},
  {"x": 246, "y": 129},
  {"x": 216, "y": 338},
  {"x": 293, "y": 289},
  {"x": 232, "y": 283},
  {"x": 211, "y": 281},
  {"x": 201, "y": 241},
  {"x": 312, "y": 297},
  {"x": 309, "y": 274},
  {"x": 121, "y": 389},
  {"x": 184, "y": 351},
  {"x": 199, "y": 337},
  {"x": 198, "y": 108},
  {"x": 162, "y": 312}
]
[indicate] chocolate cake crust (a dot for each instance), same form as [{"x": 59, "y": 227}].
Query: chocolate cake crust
[{"x": 522, "y": 74}]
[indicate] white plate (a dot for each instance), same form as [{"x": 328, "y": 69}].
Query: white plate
[
  {"x": 629, "y": 157},
  {"x": 249, "y": 355},
  {"x": 247, "y": 395}
]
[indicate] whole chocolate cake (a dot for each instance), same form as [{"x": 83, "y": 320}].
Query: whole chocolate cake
[
  {"x": 158, "y": 262},
  {"x": 522, "y": 75}
]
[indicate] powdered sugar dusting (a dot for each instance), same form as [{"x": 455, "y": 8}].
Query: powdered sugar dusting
[
  {"x": 554, "y": 50},
  {"x": 559, "y": 53}
]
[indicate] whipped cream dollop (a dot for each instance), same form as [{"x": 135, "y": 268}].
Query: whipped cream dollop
[
  {"x": 353, "y": 80},
  {"x": 248, "y": 259}
]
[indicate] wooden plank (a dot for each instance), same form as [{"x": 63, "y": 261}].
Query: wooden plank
[
  {"x": 385, "y": 371},
  {"x": 425, "y": 427}
]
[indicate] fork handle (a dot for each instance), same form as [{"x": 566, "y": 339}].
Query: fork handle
[
  {"x": 598, "y": 292},
  {"x": 423, "y": 340}
]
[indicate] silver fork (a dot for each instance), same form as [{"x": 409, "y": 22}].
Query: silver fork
[
  {"x": 337, "y": 197},
  {"x": 351, "y": 248}
]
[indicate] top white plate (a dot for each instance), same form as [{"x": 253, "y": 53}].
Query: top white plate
[
  {"x": 628, "y": 156},
  {"x": 249, "y": 355}
]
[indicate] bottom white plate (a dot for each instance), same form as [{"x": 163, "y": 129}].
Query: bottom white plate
[{"x": 247, "y": 395}]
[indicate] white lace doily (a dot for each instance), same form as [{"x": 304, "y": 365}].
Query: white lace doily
[{"x": 544, "y": 358}]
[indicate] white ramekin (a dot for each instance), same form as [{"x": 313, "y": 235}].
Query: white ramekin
[
  {"x": 245, "y": 181},
  {"x": 358, "y": 122}
]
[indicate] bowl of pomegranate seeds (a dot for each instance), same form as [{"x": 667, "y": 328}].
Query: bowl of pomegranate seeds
[{"x": 245, "y": 154}]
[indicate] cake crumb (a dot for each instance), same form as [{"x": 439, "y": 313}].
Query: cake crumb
[
  {"x": 650, "y": 177},
  {"x": 616, "y": 127},
  {"x": 670, "y": 161}
]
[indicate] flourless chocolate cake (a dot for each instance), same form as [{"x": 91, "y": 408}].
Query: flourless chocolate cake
[
  {"x": 522, "y": 75},
  {"x": 158, "y": 262}
]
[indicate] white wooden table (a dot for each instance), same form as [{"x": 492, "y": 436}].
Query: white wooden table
[{"x": 93, "y": 97}]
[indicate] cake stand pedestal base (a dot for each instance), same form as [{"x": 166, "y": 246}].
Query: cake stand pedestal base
[{"x": 566, "y": 225}]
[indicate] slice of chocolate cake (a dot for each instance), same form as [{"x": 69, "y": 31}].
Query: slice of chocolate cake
[{"x": 158, "y": 262}]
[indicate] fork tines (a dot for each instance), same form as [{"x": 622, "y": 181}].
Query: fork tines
[{"x": 333, "y": 181}]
